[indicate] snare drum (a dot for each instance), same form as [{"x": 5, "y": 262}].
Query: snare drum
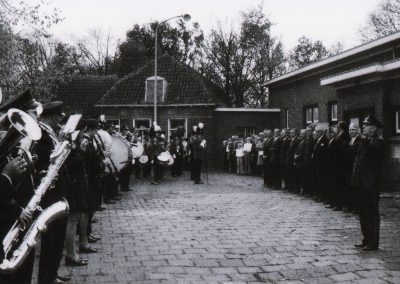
[{"x": 163, "y": 158}]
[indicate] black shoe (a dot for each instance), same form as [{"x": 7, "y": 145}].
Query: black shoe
[
  {"x": 64, "y": 278},
  {"x": 126, "y": 189},
  {"x": 369, "y": 248},
  {"x": 83, "y": 249},
  {"x": 72, "y": 262},
  {"x": 91, "y": 240},
  {"x": 198, "y": 182},
  {"x": 360, "y": 245},
  {"x": 94, "y": 220},
  {"x": 101, "y": 208},
  {"x": 94, "y": 237},
  {"x": 337, "y": 209},
  {"x": 155, "y": 183},
  {"x": 330, "y": 206},
  {"x": 110, "y": 202},
  {"x": 116, "y": 198}
]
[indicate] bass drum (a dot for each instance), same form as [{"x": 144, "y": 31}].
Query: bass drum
[
  {"x": 137, "y": 149},
  {"x": 119, "y": 154}
]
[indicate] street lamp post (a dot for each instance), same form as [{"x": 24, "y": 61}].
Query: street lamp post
[{"x": 186, "y": 17}]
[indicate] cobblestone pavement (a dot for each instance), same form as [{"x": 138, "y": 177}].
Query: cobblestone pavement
[{"x": 232, "y": 230}]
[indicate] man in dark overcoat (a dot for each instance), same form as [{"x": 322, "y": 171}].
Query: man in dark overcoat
[
  {"x": 367, "y": 178},
  {"x": 275, "y": 160},
  {"x": 293, "y": 181},
  {"x": 319, "y": 162}
]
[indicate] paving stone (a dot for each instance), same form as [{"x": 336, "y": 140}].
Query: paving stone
[{"x": 228, "y": 232}]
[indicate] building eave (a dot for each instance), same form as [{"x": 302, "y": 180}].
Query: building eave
[
  {"x": 222, "y": 109},
  {"x": 152, "y": 105},
  {"x": 338, "y": 57},
  {"x": 372, "y": 69}
]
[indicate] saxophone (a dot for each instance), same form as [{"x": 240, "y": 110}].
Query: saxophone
[{"x": 19, "y": 240}]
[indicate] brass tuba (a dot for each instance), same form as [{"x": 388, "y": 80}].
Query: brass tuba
[
  {"x": 20, "y": 125},
  {"x": 20, "y": 240}
]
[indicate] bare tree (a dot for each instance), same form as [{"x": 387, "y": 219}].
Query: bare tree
[
  {"x": 384, "y": 21},
  {"x": 98, "y": 50}
]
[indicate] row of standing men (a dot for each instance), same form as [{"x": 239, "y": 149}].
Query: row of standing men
[{"x": 340, "y": 166}]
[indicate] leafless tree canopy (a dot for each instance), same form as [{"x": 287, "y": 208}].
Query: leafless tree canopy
[{"x": 384, "y": 21}]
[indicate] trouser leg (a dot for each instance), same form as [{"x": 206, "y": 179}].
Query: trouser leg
[
  {"x": 72, "y": 222},
  {"x": 83, "y": 223},
  {"x": 52, "y": 245}
]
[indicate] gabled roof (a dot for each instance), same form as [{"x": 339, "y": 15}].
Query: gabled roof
[
  {"x": 81, "y": 93},
  {"x": 184, "y": 86},
  {"x": 338, "y": 57}
]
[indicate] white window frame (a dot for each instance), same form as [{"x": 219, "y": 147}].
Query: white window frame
[
  {"x": 164, "y": 88},
  {"x": 169, "y": 126},
  {"x": 139, "y": 118},
  {"x": 314, "y": 114},
  {"x": 315, "y": 117},
  {"x": 114, "y": 119},
  {"x": 333, "y": 107},
  {"x": 246, "y": 131},
  {"x": 309, "y": 116},
  {"x": 397, "y": 122}
]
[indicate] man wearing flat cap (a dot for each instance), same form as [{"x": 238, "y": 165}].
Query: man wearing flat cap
[{"x": 366, "y": 177}]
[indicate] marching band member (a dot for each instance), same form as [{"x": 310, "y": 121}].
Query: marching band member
[
  {"x": 125, "y": 172},
  {"x": 52, "y": 243},
  {"x": 78, "y": 198},
  {"x": 18, "y": 189},
  {"x": 198, "y": 154},
  {"x": 94, "y": 169}
]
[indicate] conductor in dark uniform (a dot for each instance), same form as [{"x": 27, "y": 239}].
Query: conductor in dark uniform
[
  {"x": 198, "y": 156},
  {"x": 367, "y": 178}
]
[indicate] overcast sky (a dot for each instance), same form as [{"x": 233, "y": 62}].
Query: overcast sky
[{"x": 327, "y": 20}]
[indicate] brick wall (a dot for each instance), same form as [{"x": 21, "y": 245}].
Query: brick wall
[
  {"x": 296, "y": 95},
  {"x": 227, "y": 124},
  {"x": 194, "y": 115}
]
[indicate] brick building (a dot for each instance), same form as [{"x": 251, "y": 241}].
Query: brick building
[
  {"x": 347, "y": 87},
  {"x": 80, "y": 93},
  {"x": 184, "y": 98}
]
